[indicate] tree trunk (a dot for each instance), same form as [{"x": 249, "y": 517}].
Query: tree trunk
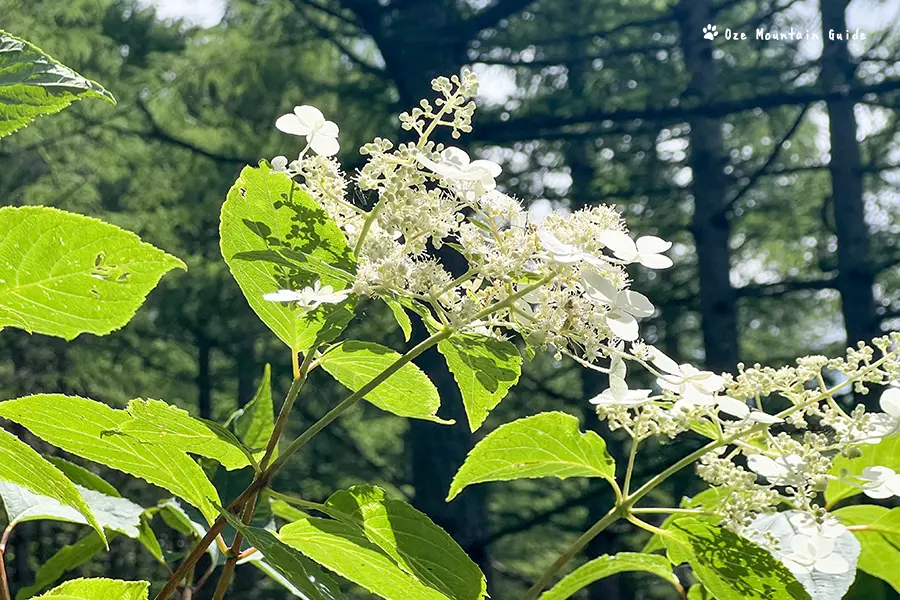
[
  {"x": 855, "y": 275},
  {"x": 711, "y": 227}
]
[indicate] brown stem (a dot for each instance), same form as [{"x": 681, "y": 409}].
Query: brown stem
[
  {"x": 4, "y": 582},
  {"x": 235, "y": 551}
]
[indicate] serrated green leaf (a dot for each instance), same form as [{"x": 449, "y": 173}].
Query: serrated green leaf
[
  {"x": 878, "y": 531},
  {"x": 64, "y": 274},
  {"x": 117, "y": 514},
  {"x": 274, "y": 236},
  {"x": 33, "y": 84},
  {"x": 66, "y": 559},
  {"x": 159, "y": 423},
  {"x": 885, "y": 453},
  {"x": 708, "y": 498},
  {"x": 300, "y": 571},
  {"x": 100, "y": 589},
  {"x": 22, "y": 466},
  {"x": 408, "y": 536},
  {"x": 605, "y": 566},
  {"x": 343, "y": 549},
  {"x": 484, "y": 369},
  {"x": 80, "y": 426},
  {"x": 255, "y": 422},
  {"x": 543, "y": 445},
  {"x": 729, "y": 566},
  {"x": 401, "y": 317},
  {"x": 407, "y": 393},
  {"x": 81, "y": 476}
]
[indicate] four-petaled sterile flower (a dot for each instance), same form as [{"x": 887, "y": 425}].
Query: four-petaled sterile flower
[
  {"x": 805, "y": 524},
  {"x": 321, "y": 135},
  {"x": 624, "y": 305},
  {"x": 647, "y": 250},
  {"x": 817, "y": 553},
  {"x": 309, "y": 297},
  {"x": 782, "y": 471},
  {"x": 468, "y": 175},
  {"x": 695, "y": 387},
  {"x": 880, "y": 482}
]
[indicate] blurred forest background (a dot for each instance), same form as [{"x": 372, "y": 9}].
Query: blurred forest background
[{"x": 773, "y": 165}]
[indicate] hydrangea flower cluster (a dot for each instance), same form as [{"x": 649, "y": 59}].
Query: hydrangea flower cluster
[{"x": 441, "y": 237}]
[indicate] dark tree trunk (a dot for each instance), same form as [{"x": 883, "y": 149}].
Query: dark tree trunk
[
  {"x": 247, "y": 373},
  {"x": 204, "y": 378},
  {"x": 855, "y": 279},
  {"x": 711, "y": 227}
]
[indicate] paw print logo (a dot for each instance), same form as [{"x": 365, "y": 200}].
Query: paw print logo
[{"x": 709, "y": 32}]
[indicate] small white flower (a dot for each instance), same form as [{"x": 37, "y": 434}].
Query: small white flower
[
  {"x": 279, "y": 164},
  {"x": 782, "y": 471},
  {"x": 476, "y": 176},
  {"x": 648, "y": 250},
  {"x": 815, "y": 553},
  {"x": 625, "y": 306},
  {"x": 733, "y": 407},
  {"x": 321, "y": 135},
  {"x": 880, "y": 482},
  {"x": 695, "y": 387},
  {"x": 309, "y": 297},
  {"x": 561, "y": 252}
]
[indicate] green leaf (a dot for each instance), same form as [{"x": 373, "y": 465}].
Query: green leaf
[
  {"x": 879, "y": 539},
  {"x": 33, "y": 84},
  {"x": 22, "y": 466},
  {"x": 407, "y": 393},
  {"x": 708, "y": 498},
  {"x": 100, "y": 589},
  {"x": 274, "y": 236},
  {"x": 343, "y": 549},
  {"x": 729, "y": 566},
  {"x": 401, "y": 317},
  {"x": 156, "y": 422},
  {"x": 408, "y": 536},
  {"x": 66, "y": 559},
  {"x": 255, "y": 422},
  {"x": 80, "y": 426},
  {"x": 300, "y": 571},
  {"x": 81, "y": 476},
  {"x": 484, "y": 368},
  {"x": 607, "y": 565},
  {"x": 543, "y": 445},
  {"x": 64, "y": 274},
  {"x": 885, "y": 453},
  {"x": 117, "y": 514},
  {"x": 176, "y": 517},
  {"x": 819, "y": 585}
]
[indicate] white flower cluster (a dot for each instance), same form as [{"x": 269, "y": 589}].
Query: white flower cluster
[{"x": 440, "y": 234}]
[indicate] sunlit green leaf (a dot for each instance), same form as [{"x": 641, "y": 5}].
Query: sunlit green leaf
[
  {"x": 22, "y": 466},
  {"x": 33, "y": 84},
  {"x": 484, "y": 368},
  {"x": 605, "y": 566},
  {"x": 885, "y": 453},
  {"x": 81, "y": 426},
  {"x": 66, "y": 559},
  {"x": 99, "y": 589},
  {"x": 274, "y": 236},
  {"x": 407, "y": 393},
  {"x": 878, "y": 530},
  {"x": 544, "y": 445},
  {"x": 64, "y": 274},
  {"x": 255, "y": 422}
]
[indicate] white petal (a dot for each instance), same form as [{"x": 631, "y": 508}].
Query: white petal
[
  {"x": 735, "y": 408},
  {"x": 455, "y": 156},
  {"x": 599, "y": 287},
  {"x": 890, "y": 402},
  {"x": 324, "y": 145},
  {"x": 656, "y": 261},
  {"x": 663, "y": 362},
  {"x": 283, "y": 296},
  {"x": 309, "y": 116},
  {"x": 623, "y": 325},
  {"x": 652, "y": 245},
  {"x": 834, "y": 564},
  {"x": 279, "y": 163},
  {"x": 490, "y": 167},
  {"x": 621, "y": 245},
  {"x": 765, "y": 466},
  {"x": 636, "y": 303},
  {"x": 757, "y": 416},
  {"x": 879, "y": 492},
  {"x": 329, "y": 128},
  {"x": 291, "y": 124}
]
